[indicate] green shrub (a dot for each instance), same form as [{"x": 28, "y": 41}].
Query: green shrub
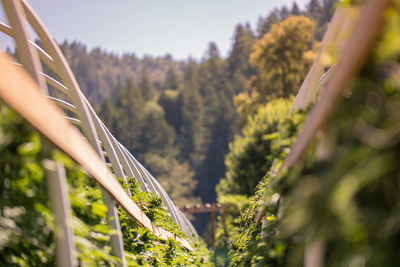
[
  {"x": 345, "y": 203},
  {"x": 26, "y": 221}
]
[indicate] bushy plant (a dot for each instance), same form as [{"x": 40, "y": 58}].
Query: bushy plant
[
  {"x": 279, "y": 133},
  {"x": 250, "y": 154},
  {"x": 250, "y": 247},
  {"x": 343, "y": 206},
  {"x": 26, "y": 221},
  {"x": 27, "y": 229}
]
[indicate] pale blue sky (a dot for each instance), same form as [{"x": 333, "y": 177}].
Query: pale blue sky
[{"x": 155, "y": 27}]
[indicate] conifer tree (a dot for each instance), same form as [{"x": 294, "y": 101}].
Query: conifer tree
[
  {"x": 108, "y": 115},
  {"x": 295, "y": 9},
  {"x": 328, "y": 9},
  {"x": 191, "y": 137},
  {"x": 171, "y": 80},
  {"x": 171, "y": 102},
  {"x": 284, "y": 13},
  {"x": 264, "y": 25},
  {"x": 157, "y": 136},
  {"x": 130, "y": 116},
  {"x": 146, "y": 86},
  {"x": 239, "y": 69},
  {"x": 314, "y": 10}
]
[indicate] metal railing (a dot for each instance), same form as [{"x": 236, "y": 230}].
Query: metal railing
[
  {"x": 102, "y": 142},
  {"x": 362, "y": 31}
]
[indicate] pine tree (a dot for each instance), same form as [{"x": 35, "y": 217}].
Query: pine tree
[
  {"x": 157, "y": 136},
  {"x": 284, "y": 13},
  {"x": 264, "y": 25},
  {"x": 146, "y": 86},
  {"x": 314, "y": 10},
  {"x": 108, "y": 115},
  {"x": 295, "y": 9},
  {"x": 238, "y": 67},
  {"x": 171, "y": 80},
  {"x": 328, "y": 9},
  {"x": 192, "y": 129},
  {"x": 191, "y": 138},
  {"x": 129, "y": 104},
  {"x": 171, "y": 101}
]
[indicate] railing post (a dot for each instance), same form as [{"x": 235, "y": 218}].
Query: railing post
[
  {"x": 117, "y": 248},
  {"x": 213, "y": 227},
  {"x": 60, "y": 206}
]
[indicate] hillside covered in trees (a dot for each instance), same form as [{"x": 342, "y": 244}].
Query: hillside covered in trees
[{"x": 178, "y": 117}]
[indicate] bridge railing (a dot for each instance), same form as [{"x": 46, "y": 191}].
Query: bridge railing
[
  {"x": 362, "y": 27},
  {"x": 97, "y": 147}
]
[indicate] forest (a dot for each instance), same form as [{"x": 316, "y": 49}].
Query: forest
[
  {"x": 178, "y": 117},
  {"x": 219, "y": 130}
]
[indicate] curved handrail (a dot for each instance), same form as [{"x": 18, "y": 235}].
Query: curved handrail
[{"x": 122, "y": 161}]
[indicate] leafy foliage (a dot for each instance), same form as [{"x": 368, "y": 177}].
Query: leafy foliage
[
  {"x": 25, "y": 228},
  {"x": 242, "y": 210},
  {"x": 345, "y": 202},
  {"x": 184, "y": 110},
  {"x": 26, "y": 222},
  {"x": 251, "y": 154},
  {"x": 144, "y": 248},
  {"x": 283, "y": 57}
]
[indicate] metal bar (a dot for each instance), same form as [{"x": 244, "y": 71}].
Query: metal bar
[
  {"x": 132, "y": 166},
  {"x": 64, "y": 72},
  {"x": 62, "y": 104},
  {"x": 25, "y": 51},
  {"x": 170, "y": 205},
  {"x": 56, "y": 84},
  {"x": 46, "y": 58},
  {"x": 73, "y": 121},
  {"x": 137, "y": 166},
  {"x": 121, "y": 155},
  {"x": 107, "y": 145},
  {"x": 6, "y": 29},
  {"x": 189, "y": 224},
  {"x": 58, "y": 195},
  {"x": 167, "y": 201}
]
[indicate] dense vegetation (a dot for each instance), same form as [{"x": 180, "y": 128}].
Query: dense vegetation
[
  {"x": 194, "y": 125},
  {"x": 26, "y": 222},
  {"x": 342, "y": 204},
  {"x": 178, "y": 117}
]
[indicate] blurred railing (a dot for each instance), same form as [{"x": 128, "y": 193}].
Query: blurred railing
[
  {"x": 352, "y": 33},
  {"x": 97, "y": 148}
]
